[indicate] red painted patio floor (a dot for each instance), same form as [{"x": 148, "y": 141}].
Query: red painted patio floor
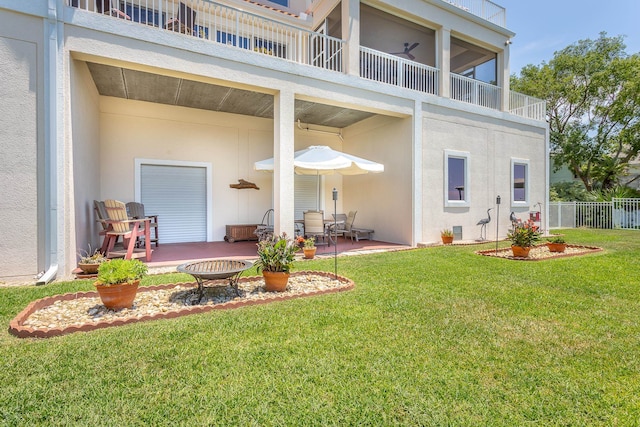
[{"x": 170, "y": 254}]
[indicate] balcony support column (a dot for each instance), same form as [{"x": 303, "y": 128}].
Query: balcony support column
[
  {"x": 503, "y": 77},
  {"x": 443, "y": 61},
  {"x": 283, "y": 152},
  {"x": 351, "y": 34}
]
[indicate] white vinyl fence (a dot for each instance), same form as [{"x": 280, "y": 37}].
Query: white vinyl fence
[{"x": 618, "y": 213}]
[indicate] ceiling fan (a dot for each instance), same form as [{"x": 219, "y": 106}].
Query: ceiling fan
[{"x": 407, "y": 50}]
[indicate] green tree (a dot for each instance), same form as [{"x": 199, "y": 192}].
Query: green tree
[{"x": 592, "y": 89}]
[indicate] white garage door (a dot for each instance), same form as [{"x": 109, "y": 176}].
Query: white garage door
[{"x": 178, "y": 195}]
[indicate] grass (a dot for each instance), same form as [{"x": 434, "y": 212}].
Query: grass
[{"x": 435, "y": 336}]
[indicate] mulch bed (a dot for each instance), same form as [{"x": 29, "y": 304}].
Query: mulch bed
[{"x": 541, "y": 253}]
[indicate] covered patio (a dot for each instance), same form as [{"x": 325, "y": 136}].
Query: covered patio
[{"x": 173, "y": 254}]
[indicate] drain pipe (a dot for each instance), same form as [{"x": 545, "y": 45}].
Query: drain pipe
[{"x": 50, "y": 147}]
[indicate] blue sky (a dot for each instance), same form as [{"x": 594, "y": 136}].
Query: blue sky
[{"x": 545, "y": 26}]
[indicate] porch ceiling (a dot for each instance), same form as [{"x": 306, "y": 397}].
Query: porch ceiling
[{"x": 142, "y": 86}]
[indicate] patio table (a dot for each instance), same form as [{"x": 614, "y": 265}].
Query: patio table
[{"x": 215, "y": 269}]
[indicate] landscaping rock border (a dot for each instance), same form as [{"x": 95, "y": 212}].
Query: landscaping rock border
[
  {"x": 541, "y": 252},
  {"x": 19, "y": 327}
]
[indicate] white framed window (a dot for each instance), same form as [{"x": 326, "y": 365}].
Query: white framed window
[
  {"x": 456, "y": 178},
  {"x": 519, "y": 182}
]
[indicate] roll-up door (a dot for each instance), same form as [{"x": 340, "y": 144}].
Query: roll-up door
[
  {"x": 305, "y": 193},
  {"x": 177, "y": 194}
]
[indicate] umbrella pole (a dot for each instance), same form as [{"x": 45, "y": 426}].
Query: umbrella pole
[{"x": 318, "y": 190}]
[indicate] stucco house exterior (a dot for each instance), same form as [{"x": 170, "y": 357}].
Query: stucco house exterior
[{"x": 168, "y": 103}]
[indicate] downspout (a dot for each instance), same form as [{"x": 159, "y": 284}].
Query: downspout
[{"x": 50, "y": 147}]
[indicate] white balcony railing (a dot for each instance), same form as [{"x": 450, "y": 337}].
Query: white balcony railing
[
  {"x": 231, "y": 26},
  {"x": 485, "y": 9},
  {"x": 390, "y": 69},
  {"x": 218, "y": 23},
  {"x": 475, "y": 92},
  {"x": 527, "y": 106}
]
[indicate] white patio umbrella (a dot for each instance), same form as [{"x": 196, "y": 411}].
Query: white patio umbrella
[{"x": 322, "y": 160}]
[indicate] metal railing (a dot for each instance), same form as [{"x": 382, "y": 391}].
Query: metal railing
[
  {"x": 527, "y": 106},
  {"x": 485, "y": 9},
  {"x": 390, "y": 69},
  {"x": 218, "y": 23},
  {"x": 618, "y": 213},
  {"x": 475, "y": 92}
]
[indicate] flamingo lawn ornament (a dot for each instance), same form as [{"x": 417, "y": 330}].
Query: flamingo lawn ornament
[{"x": 483, "y": 225}]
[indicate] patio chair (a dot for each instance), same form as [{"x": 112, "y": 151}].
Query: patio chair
[
  {"x": 184, "y": 22},
  {"x": 106, "y": 7},
  {"x": 314, "y": 226},
  {"x": 264, "y": 230},
  {"x": 102, "y": 219},
  {"x": 357, "y": 233},
  {"x": 136, "y": 211},
  {"x": 129, "y": 229},
  {"x": 344, "y": 225}
]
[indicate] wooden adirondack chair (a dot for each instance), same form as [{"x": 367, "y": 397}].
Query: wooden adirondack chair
[
  {"x": 129, "y": 229},
  {"x": 136, "y": 211}
]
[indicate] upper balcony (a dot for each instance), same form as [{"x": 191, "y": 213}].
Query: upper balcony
[
  {"x": 484, "y": 9},
  {"x": 412, "y": 67}
]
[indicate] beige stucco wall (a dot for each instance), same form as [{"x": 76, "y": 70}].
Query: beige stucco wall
[
  {"x": 84, "y": 110},
  {"x": 21, "y": 93},
  {"x": 491, "y": 144},
  {"x": 384, "y": 200}
]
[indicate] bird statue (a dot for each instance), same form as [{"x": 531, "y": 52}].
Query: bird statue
[{"x": 483, "y": 225}]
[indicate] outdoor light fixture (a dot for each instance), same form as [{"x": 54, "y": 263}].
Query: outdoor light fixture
[
  {"x": 335, "y": 229},
  {"x": 497, "y": 221},
  {"x": 508, "y": 42}
]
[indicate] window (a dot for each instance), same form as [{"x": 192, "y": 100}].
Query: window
[
  {"x": 456, "y": 183},
  {"x": 519, "y": 182},
  {"x": 284, "y": 3},
  {"x": 270, "y": 48},
  {"x": 232, "y": 39},
  {"x": 144, "y": 15}
]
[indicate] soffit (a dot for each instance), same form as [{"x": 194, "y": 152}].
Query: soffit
[{"x": 143, "y": 86}]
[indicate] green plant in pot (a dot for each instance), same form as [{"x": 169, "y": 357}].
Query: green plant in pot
[
  {"x": 118, "y": 281},
  {"x": 557, "y": 244},
  {"x": 523, "y": 237},
  {"x": 90, "y": 261},
  {"x": 275, "y": 260},
  {"x": 447, "y": 236}
]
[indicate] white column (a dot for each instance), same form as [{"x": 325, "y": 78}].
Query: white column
[
  {"x": 351, "y": 33},
  {"x": 417, "y": 173},
  {"x": 503, "y": 70},
  {"x": 283, "y": 149},
  {"x": 443, "y": 61}
]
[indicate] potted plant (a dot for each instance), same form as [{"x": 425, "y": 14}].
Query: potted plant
[
  {"x": 309, "y": 247},
  {"x": 557, "y": 244},
  {"x": 275, "y": 260},
  {"x": 523, "y": 237},
  {"x": 90, "y": 261},
  {"x": 447, "y": 236},
  {"x": 118, "y": 281}
]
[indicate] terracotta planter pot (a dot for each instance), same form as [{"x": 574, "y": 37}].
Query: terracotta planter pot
[
  {"x": 275, "y": 281},
  {"x": 88, "y": 268},
  {"x": 309, "y": 253},
  {"x": 556, "y": 247},
  {"x": 447, "y": 240},
  {"x": 520, "y": 251},
  {"x": 116, "y": 297}
]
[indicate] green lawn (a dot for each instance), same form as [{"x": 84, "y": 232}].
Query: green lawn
[{"x": 435, "y": 336}]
